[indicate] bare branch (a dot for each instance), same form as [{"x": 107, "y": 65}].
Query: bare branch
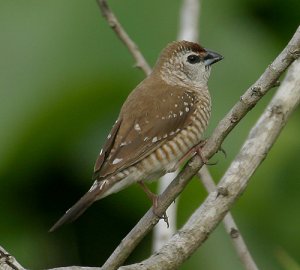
[
  {"x": 239, "y": 110},
  {"x": 162, "y": 233},
  {"x": 230, "y": 225},
  {"x": 189, "y": 20},
  {"x": 123, "y": 36},
  {"x": 253, "y": 152}
]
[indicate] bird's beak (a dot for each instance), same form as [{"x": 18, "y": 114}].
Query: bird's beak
[{"x": 212, "y": 57}]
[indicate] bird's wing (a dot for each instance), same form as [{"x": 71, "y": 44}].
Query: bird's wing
[{"x": 147, "y": 120}]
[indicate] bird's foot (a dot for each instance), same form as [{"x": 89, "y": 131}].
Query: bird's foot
[
  {"x": 198, "y": 150},
  {"x": 155, "y": 206},
  {"x": 154, "y": 198}
]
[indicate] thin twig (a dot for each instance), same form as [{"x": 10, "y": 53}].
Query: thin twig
[
  {"x": 205, "y": 219},
  {"x": 123, "y": 36},
  {"x": 239, "y": 110},
  {"x": 230, "y": 225}
]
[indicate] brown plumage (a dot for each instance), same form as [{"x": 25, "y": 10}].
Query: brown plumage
[{"x": 162, "y": 119}]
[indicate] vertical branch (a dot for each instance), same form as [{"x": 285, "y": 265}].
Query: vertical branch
[
  {"x": 189, "y": 20},
  {"x": 162, "y": 233},
  {"x": 230, "y": 225}
]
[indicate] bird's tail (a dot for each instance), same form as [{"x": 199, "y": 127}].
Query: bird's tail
[{"x": 78, "y": 208}]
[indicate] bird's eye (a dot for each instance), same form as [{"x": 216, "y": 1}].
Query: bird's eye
[{"x": 193, "y": 58}]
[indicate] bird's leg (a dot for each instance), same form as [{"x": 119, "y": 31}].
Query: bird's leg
[{"x": 154, "y": 198}]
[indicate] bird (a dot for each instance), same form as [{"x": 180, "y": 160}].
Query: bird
[{"x": 159, "y": 125}]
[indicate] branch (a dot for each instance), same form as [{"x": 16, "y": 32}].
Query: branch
[
  {"x": 123, "y": 36},
  {"x": 253, "y": 152},
  {"x": 189, "y": 20},
  {"x": 239, "y": 110},
  {"x": 230, "y": 225}
]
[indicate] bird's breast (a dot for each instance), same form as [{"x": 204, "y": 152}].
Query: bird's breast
[{"x": 168, "y": 154}]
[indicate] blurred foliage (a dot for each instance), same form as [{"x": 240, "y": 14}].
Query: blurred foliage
[{"x": 63, "y": 78}]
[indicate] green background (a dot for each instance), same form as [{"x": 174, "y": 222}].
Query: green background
[{"x": 63, "y": 77}]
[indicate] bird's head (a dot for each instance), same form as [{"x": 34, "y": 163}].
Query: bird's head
[{"x": 186, "y": 63}]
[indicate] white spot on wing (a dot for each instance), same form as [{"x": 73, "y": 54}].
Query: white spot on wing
[
  {"x": 103, "y": 184},
  {"x": 154, "y": 139},
  {"x": 137, "y": 127},
  {"x": 176, "y": 105},
  {"x": 180, "y": 113},
  {"x": 101, "y": 152},
  {"x": 146, "y": 139},
  {"x": 117, "y": 160},
  {"x": 185, "y": 103},
  {"x": 187, "y": 109},
  {"x": 109, "y": 135},
  {"x": 123, "y": 143}
]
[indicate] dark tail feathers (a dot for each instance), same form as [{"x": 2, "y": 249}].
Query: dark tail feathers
[{"x": 76, "y": 210}]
